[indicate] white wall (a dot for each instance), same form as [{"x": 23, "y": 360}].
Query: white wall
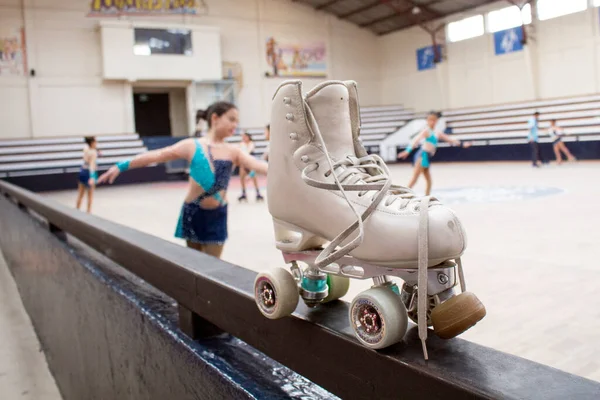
[
  {"x": 245, "y": 26},
  {"x": 68, "y": 95},
  {"x": 562, "y": 60},
  {"x": 14, "y": 97}
]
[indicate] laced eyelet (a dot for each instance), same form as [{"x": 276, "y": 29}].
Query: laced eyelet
[{"x": 327, "y": 174}]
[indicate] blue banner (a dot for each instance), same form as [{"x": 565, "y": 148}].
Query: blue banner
[
  {"x": 508, "y": 41},
  {"x": 426, "y": 57}
]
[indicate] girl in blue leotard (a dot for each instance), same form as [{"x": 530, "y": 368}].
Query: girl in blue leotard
[
  {"x": 428, "y": 138},
  {"x": 87, "y": 173},
  {"x": 203, "y": 218}
]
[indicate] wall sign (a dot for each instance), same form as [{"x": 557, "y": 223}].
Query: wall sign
[
  {"x": 12, "y": 51},
  {"x": 295, "y": 58},
  {"x": 143, "y": 7},
  {"x": 508, "y": 41},
  {"x": 426, "y": 57}
]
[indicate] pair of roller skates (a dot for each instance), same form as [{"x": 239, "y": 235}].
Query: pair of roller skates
[{"x": 337, "y": 216}]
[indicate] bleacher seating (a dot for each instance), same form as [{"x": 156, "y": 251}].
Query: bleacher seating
[
  {"x": 580, "y": 118},
  {"x": 62, "y": 155},
  {"x": 499, "y": 132},
  {"x": 53, "y": 164}
]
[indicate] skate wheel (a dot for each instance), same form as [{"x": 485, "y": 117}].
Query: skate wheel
[
  {"x": 276, "y": 293},
  {"x": 378, "y": 318},
  {"x": 456, "y": 315},
  {"x": 338, "y": 287}
]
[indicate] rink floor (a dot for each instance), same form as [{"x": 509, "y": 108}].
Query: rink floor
[{"x": 531, "y": 257}]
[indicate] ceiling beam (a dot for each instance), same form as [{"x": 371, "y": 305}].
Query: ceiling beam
[
  {"x": 425, "y": 8},
  {"x": 394, "y": 29},
  {"x": 360, "y": 10},
  {"x": 325, "y": 5},
  {"x": 397, "y": 13},
  {"x": 427, "y": 19}
]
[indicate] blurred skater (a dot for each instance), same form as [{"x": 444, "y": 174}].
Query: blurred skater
[
  {"x": 422, "y": 158},
  {"x": 247, "y": 146},
  {"x": 203, "y": 217},
  {"x": 533, "y": 139},
  {"x": 87, "y": 174},
  {"x": 556, "y": 134}
]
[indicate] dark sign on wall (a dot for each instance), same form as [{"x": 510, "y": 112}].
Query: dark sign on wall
[{"x": 149, "y": 41}]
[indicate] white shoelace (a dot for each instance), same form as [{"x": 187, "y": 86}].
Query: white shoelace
[{"x": 350, "y": 175}]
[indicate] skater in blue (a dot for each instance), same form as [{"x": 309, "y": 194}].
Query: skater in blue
[
  {"x": 87, "y": 173},
  {"x": 429, "y": 139},
  {"x": 203, "y": 219},
  {"x": 533, "y": 139}
]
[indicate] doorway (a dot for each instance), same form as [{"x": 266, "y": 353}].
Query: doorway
[{"x": 152, "y": 114}]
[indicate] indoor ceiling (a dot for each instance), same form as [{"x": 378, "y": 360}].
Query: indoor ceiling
[{"x": 386, "y": 16}]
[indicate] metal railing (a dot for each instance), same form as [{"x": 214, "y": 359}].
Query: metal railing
[{"x": 316, "y": 343}]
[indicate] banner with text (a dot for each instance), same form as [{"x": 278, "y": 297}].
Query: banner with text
[{"x": 143, "y": 7}]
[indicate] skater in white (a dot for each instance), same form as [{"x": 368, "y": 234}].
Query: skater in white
[
  {"x": 324, "y": 190},
  {"x": 247, "y": 146},
  {"x": 556, "y": 134}
]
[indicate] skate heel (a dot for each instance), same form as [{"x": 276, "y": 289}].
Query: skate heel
[{"x": 289, "y": 237}]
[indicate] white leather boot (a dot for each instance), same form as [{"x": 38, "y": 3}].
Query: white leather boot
[{"x": 324, "y": 190}]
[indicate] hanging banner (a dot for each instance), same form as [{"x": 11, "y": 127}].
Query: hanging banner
[
  {"x": 12, "y": 51},
  {"x": 426, "y": 57},
  {"x": 508, "y": 41},
  {"x": 298, "y": 59},
  {"x": 143, "y": 7}
]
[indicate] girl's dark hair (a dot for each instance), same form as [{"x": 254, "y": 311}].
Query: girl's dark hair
[
  {"x": 268, "y": 126},
  {"x": 89, "y": 140},
  {"x": 249, "y": 136},
  {"x": 219, "y": 108}
]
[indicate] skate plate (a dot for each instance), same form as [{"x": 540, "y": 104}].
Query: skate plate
[{"x": 440, "y": 278}]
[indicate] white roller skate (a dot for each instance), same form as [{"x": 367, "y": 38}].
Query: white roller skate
[{"x": 336, "y": 211}]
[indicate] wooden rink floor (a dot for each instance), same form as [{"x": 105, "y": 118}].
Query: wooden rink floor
[{"x": 533, "y": 244}]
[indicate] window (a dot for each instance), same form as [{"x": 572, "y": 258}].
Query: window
[
  {"x": 596, "y": 3},
  {"x": 555, "y": 8},
  {"x": 508, "y": 17},
  {"x": 466, "y": 28}
]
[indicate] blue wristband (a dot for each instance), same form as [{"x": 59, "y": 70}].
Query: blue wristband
[
  {"x": 408, "y": 149},
  {"x": 123, "y": 165}
]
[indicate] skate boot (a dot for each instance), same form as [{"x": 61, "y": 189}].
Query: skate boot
[
  {"x": 259, "y": 197},
  {"x": 242, "y": 197},
  {"x": 336, "y": 211}
]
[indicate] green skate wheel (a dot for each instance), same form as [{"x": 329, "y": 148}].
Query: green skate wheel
[
  {"x": 276, "y": 293},
  {"x": 378, "y": 317},
  {"x": 338, "y": 287}
]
